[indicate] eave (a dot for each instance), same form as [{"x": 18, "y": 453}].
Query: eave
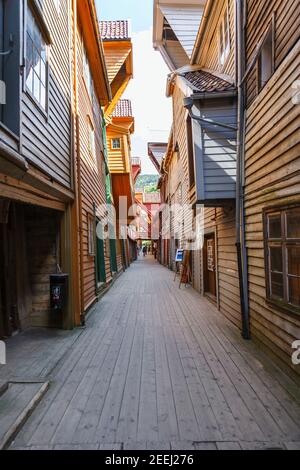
[{"x": 90, "y": 28}]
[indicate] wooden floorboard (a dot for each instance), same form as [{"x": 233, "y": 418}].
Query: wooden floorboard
[{"x": 157, "y": 367}]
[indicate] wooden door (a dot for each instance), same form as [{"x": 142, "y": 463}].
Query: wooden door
[
  {"x": 210, "y": 265},
  {"x": 100, "y": 254}
]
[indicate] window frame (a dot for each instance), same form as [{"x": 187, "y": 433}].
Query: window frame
[
  {"x": 30, "y": 5},
  {"x": 284, "y": 243},
  {"x": 91, "y": 235},
  {"x": 112, "y": 143},
  {"x": 88, "y": 80},
  {"x": 224, "y": 39},
  {"x": 269, "y": 31},
  {"x": 91, "y": 144}
]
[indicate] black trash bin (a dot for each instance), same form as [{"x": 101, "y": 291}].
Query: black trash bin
[{"x": 59, "y": 295}]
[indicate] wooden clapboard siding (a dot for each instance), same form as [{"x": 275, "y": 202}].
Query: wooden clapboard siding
[
  {"x": 180, "y": 137},
  {"x": 115, "y": 56},
  {"x": 116, "y": 157},
  {"x": 209, "y": 54},
  {"x": 220, "y": 221},
  {"x": 272, "y": 165},
  {"x": 185, "y": 23},
  {"x": 260, "y": 14},
  {"x": 92, "y": 175},
  {"x": 46, "y": 140}
]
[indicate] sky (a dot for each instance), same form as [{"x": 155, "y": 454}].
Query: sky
[{"x": 151, "y": 109}]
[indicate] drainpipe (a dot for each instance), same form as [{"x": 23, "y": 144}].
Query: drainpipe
[
  {"x": 78, "y": 163},
  {"x": 240, "y": 215}
]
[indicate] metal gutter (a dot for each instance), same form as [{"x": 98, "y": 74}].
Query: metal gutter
[{"x": 240, "y": 214}]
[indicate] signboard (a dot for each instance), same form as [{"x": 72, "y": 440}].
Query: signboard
[{"x": 179, "y": 256}]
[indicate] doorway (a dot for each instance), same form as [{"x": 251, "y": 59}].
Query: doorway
[
  {"x": 209, "y": 266},
  {"x": 9, "y": 321}
]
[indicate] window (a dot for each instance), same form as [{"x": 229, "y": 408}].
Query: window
[
  {"x": 265, "y": 62},
  {"x": 224, "y": 37},
  {"x": 116, "y": 143},
  {"x": 282, "y": 236},
  {"x": 190, "y": 144},
  {"x": 91, "y": 234},
  {"x": 87, "y": 74},
  {"x": 36, "y": 62},
  {"x": 92, "y": 146}
]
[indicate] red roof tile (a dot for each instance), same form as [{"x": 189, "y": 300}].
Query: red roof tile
[
  {"x": 118, "y": 30},
  {"x": 203, "y": 82},
  {"x": 123, "y": 109}
]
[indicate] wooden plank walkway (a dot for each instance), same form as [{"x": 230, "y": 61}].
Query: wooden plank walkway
[{"x": 160, "y": 368}]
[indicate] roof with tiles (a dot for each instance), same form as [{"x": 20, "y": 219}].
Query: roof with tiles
[
  {"x": 123, "y": 109},
  {"x": 206, "y": 82},
  {"x": 119, "y": 30}
]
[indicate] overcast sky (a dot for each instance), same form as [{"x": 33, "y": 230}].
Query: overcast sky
[{"x": 151, "y": 109}]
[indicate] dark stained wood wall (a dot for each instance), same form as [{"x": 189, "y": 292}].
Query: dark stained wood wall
[
  {"x": 92, "y": 176},
  {"x": 260, "y": 14},
  {"x": 46, "y": 139},
  {"x": 272, "y": 166}
]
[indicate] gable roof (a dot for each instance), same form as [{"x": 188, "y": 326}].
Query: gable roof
[
  {"x": 119, "y": 30},
  {"x": 202, "y": 81},
  {"x": 123, "y": 109},
  {"x": 184, "y": 22},
  {"x": 156, "y": 152}
]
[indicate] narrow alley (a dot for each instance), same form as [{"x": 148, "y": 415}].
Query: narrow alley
[{"x": 157, "y": 367}]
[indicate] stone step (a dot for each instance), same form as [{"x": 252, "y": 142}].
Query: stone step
[{"x": 16, "y": 404}]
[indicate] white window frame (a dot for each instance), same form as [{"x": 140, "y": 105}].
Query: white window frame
[
  {"x": 92, "y": 144},
  {"x": 224, "y": 38},
  {"x": 114, "y": 139},
  {"x": 91, "y": 235},
  {"x": 41, "y": 78},
  {"x": 87, "y": 74}
]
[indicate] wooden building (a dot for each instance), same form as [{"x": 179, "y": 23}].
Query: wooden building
[
  {"x": 200, "y": 161},
  {"x": 116, "y": 37},
  {"x": 249, "y": 263},
  {"x": 36, "y": 162},
  {"x": 120, "y": 126},
  {"x": 91, "y": 92},
  {"x": 272, "y": 174}
]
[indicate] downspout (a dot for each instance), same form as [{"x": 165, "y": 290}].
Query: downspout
[
  {"x": 78, "y": 163},
  {"x": 240, "y": 216}
]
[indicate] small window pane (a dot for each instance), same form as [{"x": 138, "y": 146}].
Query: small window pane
[
  {"x": 294, "y": 291},
  {"x": 43, "y": 96},
  {"x": 37, "y": 37},
  {"x": 43, "y": 73},
  {"x": 36, "y": 87},
  {"x": 116, "y": 143},
  {"x": 276, "y": 259},
  {"x": 274, "y": 226},
  {"x": 36, "y": 62},
  {"x": 277, "y": 285},
  {"x": 29, "y": 23},
  {"x": 293, "y": 223},
  {"x": 294, "y": 260}
]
